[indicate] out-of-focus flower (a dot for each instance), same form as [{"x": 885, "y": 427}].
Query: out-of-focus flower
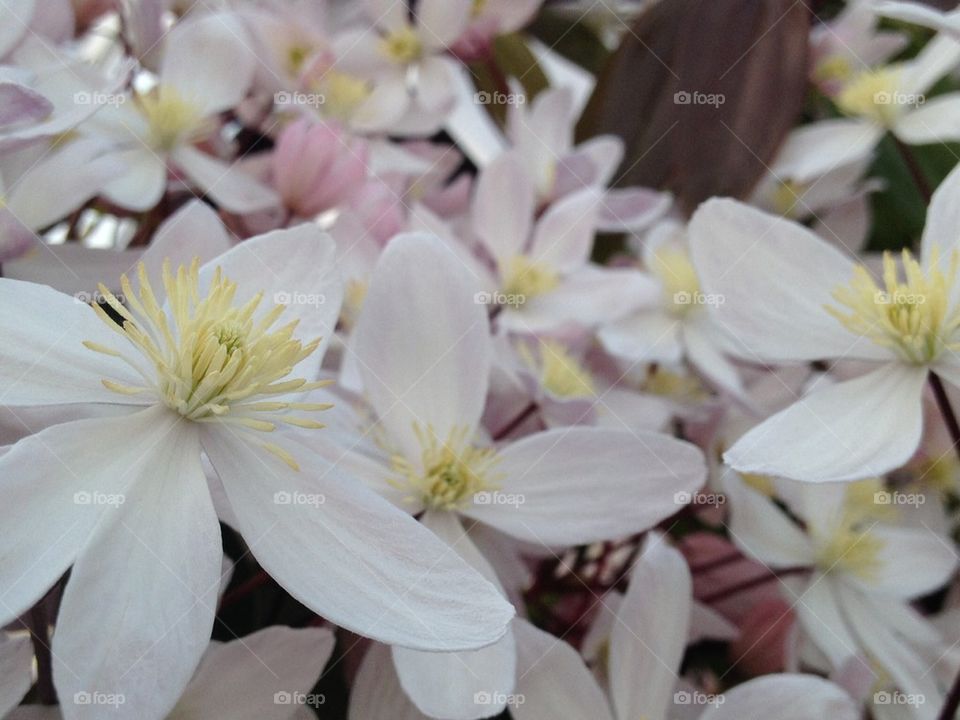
[
  {"x": 790, "y": 297},
  {"x": 317, "y": 167}
]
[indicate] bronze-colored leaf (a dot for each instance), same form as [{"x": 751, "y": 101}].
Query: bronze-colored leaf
[{"x": 703, "y": 93}]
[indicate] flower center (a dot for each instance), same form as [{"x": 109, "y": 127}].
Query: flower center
[
  {"x": 681, "y": 286},
  {"x": 560, "y": 373},
  {"x": 874, "y": 94},
  {"x": 212, "y": 360},
  {"x": 449, "y": 472},
  {"x": 913, "y": 318},
  {"x": 526, "y": 278},
  {"x": 343, "y": 93},
  {"x": 403, "y": 46},
  {"x": 786, "y": 198},
  {"x": 835, "y": 68},
  {"x": 172, "y": 120}
]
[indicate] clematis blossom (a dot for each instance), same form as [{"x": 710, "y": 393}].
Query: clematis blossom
[{"x": 202, "y": 364}]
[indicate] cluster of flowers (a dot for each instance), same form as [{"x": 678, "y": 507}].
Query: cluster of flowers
[{"x": 253, "y": 291}]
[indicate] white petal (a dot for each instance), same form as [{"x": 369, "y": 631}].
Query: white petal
[
  {"x": 937, "y": 121},
  {"x": 943, "y": 218},
  {"x": 762, "y": 530},
  {"x": 705, "y": 354},
  {"x": 566, "y": 495},
  {"x": 775, "y": 277},
  {"x": 912, "y": 561},
  {"x": 936, "y": 59},
  {"x": 631, "y": 209},
  {"x": 786, "y": 697},
  {"x": 564, "y": 235},
  {"x": 194, "y": 231},
  {"x": 646, "y": 336},
  {"x": 142, "y": 182},
  {"x": 228, "y": 185},
  {"x": 376, "y": 693},
  {"x": 441, "y": 22},
  {"x": 42, "y": 359},
  {"x": 553, "y": 680},
  {"x": 814, "y": 150},
  {"x": 209, "y": 61},
  {"x": 855, "y": 429},
  {"x": 455, "y": 685},
  {"x": 650, "y": 633},
  {"x": 351, "y": 556},
  {"x": 150, "y": 573},
  {"x": 422, "y": 342},
  {"x": 257, "y": 677},
  {"x": 824, "y": 622},
  {"x": 16, "y": 660},
  {"x": 503, "y": 207},
  {"x": 917, "y": 14}
]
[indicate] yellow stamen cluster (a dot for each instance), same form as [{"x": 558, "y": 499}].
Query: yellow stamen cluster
[
  {"x": 849, "y": 546},
  {"x": 343, "y": 93},
  {"x": 672, "y": 265},
  {"x": 526, "y": 278},
  {"x": 449, "y": 472},
  {"x": 402, "y": 45},
  {"x": 172, "y": 119},
  {"x": 560, "y": 373},
  {"x": 873, "y": 94},
  {"x": 914, "y": 318},
  {"x": 212, "y": 360},
  {"x": 786, "y": 198},
  {"x": 833, "y": 69}
]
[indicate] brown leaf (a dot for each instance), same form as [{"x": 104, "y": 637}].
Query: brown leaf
[{"x": 703, "y": 92}]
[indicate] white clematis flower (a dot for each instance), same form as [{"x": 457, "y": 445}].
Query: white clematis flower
[
  {"x": 647, "y": 641},
  {"x": 790, "y": 297},
  {"x": 423, "y": 350},
  {"x": 204, "y": 363}
]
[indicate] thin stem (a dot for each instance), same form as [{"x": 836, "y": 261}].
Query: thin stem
[
  {"x": 919, "y": 178},
  {"x": 946, "y": 410},
  {"x": 750, "y": 584},
  {"x": 40, "y": 636}
]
